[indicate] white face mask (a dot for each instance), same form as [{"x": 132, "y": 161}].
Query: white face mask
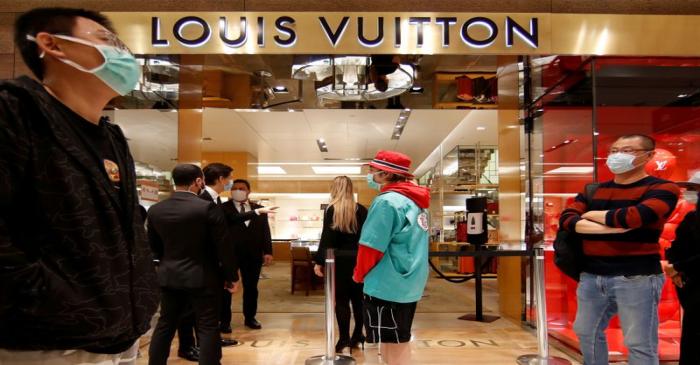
[
  {"x": 620, "y": 163},
  {"x": 239, "y": 195}
]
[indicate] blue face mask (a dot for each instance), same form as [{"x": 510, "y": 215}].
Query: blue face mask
[
  {"x": 371, "y": 183},
  {"x": 120, "y": 70},
  {"x": 620, "y": 163},
  {"x": 228, "y": 185}
]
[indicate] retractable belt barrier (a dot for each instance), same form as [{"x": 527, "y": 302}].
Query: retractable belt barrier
[{"x": 330, "y": 358}]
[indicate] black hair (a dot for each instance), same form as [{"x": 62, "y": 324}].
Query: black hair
[
  {"x": 647, "y": 142},
  {"x": 186, "y": 174},
  {"x": 214, "y": 171},
  {"x": 242, "y": 181},
  {"x": 394, "y": 178},
  {"x": 49, "y": 20}
]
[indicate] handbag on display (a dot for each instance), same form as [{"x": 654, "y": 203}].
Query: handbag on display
[{"x": 568, "y": 246}]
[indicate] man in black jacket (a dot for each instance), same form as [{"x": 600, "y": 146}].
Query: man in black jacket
[
  {"x": 75, "y": 269},
  {"x": 190, "y": 238},
  {"x": 683, "y": 269},
  {"x": 217, "y": 177},
  {"x": 254, "y": 246}
]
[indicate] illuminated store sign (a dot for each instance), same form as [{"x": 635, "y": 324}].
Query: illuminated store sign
[
  {"x": 362, "y": 33},
  {"x": 313, "y": 33},
  {"x": 287, "y": 35}
]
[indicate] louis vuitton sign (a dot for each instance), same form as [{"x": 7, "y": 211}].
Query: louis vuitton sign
[{"x": 330, "y": 33}]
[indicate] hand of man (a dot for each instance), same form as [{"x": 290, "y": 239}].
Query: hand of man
[
  {"x": 318, "y": 270},
  {"x": 669, "y": 269},
  {"x": 267, "y": 260},
  {"x": 597, "y": 216},
  {"x": 264, "y": 210},
  {"x": 232, "y": 287},
  {"x": 678, "y": 281}
]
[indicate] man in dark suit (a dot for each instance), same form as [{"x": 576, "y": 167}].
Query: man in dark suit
[
  {"x": 189, "y": 237},
  {"x": 217, "y": 179},
  {"x": 254, "y": 244}
]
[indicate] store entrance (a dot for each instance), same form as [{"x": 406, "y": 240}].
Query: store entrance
[{"x": 290, "y": 124}]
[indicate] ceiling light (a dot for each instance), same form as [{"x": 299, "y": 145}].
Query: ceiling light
[
  {"x": 571, "y": 170},
  {"x": 480, "y": 128},
  {"x": 350, "y": 79},
  {"x": 271, "y": 170},
  {"x": 280, "y": 89},
  {"x": 337, "y": 170},
  {"x": 683, "y": 95},
  {"x": 322, "y": 145},
  {"x": 401, "y": 123}
]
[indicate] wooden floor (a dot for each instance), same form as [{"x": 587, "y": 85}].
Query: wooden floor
[{"x": 439, "y": 339}]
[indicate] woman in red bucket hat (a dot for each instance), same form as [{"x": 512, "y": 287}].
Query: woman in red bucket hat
[{"x": 392, "y": 259}]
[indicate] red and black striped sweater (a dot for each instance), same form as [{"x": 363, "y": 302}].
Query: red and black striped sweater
[{"x": 644, "y": 207}]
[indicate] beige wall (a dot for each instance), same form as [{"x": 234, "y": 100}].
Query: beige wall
[{"x": 364, "y": 193}]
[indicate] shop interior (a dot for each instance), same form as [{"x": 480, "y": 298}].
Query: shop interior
[{"x": 289, "y": 124}]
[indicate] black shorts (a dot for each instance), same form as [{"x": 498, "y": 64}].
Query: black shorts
[{"x": 388, "y": 322}]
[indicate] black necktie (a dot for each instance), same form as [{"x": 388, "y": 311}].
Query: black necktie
[
  {"x": 218, "y": 200},
  {"x": 242, "y": 207}
]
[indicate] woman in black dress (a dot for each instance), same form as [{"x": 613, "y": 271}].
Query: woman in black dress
[
  {"x": 684, "y": 270},
  {"x": 342, "y": 224}
]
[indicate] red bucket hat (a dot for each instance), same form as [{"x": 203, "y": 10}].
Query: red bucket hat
[{"x": 393, "y": 162}]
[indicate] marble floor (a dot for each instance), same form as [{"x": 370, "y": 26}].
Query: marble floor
[{"x": 439, "y": 339}]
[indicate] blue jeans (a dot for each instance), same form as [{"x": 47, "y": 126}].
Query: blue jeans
[{"x": 635, "y": 299}]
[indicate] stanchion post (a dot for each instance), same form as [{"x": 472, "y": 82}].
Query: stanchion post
[
  {"x": 330, "y": 358},
  {"x": 542, "y": 358}
]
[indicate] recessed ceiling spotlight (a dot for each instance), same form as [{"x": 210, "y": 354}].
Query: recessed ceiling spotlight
[
  {"x": 480, "y": 128},
  {"x": 280, "y": 89},
  {"x": 322, "y": 146}
]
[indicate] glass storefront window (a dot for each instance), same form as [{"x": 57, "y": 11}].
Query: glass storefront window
[{"x": 589, "y": 103}]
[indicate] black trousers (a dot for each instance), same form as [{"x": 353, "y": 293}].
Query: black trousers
[
  {"x": 250, "y": 276},
  {"x": 174, "y": 303},
  {"x": 186, "y": 331},
  {"x": 690, "y": 336},
  {"x": 347, "y": 292}
]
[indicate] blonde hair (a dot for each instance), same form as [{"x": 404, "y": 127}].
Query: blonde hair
[{"x": 344, "y": 206}]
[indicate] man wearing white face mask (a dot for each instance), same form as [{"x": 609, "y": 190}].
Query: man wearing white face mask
[
  {"x": 77, "y": 283},
  {"x": 252, "y": 230},
  {"x": 622, "y": 270}
]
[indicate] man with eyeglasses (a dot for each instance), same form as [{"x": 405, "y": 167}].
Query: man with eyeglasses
[
  {"x": 622, "y": 266},
  {"x": 77, "y": 283}
]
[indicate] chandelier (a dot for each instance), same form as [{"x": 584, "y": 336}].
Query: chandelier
[{"x": 350, "y": 78}]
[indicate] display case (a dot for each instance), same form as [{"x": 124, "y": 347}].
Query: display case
[{"x": 299, "y": 216}]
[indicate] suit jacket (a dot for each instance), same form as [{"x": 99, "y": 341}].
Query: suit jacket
[
  {"x": 254, "y": 240},
  {"x": 75, "y": 269},
  {"x": 190, "y": 238},
  {"x": 238, "y": 218}
]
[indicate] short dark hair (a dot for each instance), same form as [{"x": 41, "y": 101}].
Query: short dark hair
[
  {"x": 214, "y": 171},
  {"x": 242, "y": 181},
  {"x": 647, "y": 142},
  {"x": 186, "y": 174},
  {"x": 50, "y": 20}
]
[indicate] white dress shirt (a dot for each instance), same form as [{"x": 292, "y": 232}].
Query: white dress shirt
[{"x": 213, "y": 193}]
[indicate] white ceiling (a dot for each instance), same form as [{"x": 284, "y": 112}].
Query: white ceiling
[
  {"x": 152, "y": 136},
  {"x": 288, "y": 139}
]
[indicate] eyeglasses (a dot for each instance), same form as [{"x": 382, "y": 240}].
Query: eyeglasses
[
  {"x": 109, "y": 39},
  {"x": 628, "y": 150}
]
